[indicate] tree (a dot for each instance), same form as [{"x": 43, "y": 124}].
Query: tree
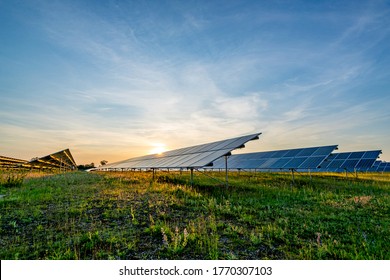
[
  {"x": 103, "y": 162},
  {"x": 86, "y": 166}
]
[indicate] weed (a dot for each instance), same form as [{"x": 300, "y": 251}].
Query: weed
[
  {"x": 177, "y": 241},
  {"x": 12, "y": 179}
]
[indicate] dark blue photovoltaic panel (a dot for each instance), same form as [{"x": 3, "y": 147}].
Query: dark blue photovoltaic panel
[
  {"x": 312, "y": 161},
  {"x": 267, "y": 163},
  {"x": 279, "y": 163},
  {"x": 342, "y": 155},
  {"x": 279, "y": 154},
  {"x": 370, "y": 154},
  {"x": 383, "y": 166},
  {"x": 351, "y": 161},
  {"x": 336, "y": 164},
  {"x": 321, "y": 151},
  {"x": 356, "y": 155},
  {"x": 365, "y": 164},
  {"x": 375, "y": 166},
  {"x": 307, "y": 152},
  {"x": 295, "y": 162},
  {"x": 349, "y": 164},
  {"x": 302, "y": 158},
  {"x": 292, "y": 153}
]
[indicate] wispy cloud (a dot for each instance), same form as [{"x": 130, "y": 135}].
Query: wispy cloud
[{"x": 130, "y": 77}]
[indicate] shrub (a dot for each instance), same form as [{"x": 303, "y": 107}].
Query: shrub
[{"x": 10, "y": 180}]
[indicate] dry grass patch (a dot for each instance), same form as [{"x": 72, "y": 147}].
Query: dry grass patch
[{"x": 362, "y": 200}]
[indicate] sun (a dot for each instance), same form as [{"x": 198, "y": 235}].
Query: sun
[{"x": 158, "y": 148}]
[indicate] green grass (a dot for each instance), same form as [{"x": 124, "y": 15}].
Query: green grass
[{"x": 259, "y": 216}]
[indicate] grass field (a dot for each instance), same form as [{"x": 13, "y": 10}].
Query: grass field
[{"x": 259, "y": 216}]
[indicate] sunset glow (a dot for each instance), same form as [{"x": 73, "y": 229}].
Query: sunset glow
[{"x": 158, "y": 148}]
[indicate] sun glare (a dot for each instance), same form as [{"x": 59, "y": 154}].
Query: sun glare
[{"x": 158, "y": 148}]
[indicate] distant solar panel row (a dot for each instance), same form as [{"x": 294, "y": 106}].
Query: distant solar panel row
[
  {"x": 61, "y": 160},
  {"x": 8, "y": 162},
  {"x": 384, "y": 167},
  {"x": 380, "y": 166},
  {"x": 301, "y": 158},
  {"x": 190, "y": 157},
  {"x": 351, "y": 161}
]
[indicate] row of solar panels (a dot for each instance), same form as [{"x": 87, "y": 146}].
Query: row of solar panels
[
  {"x": 58, "y": 160},
  {"x": 353, "y": 161},
  {"x": 302, "y": 159},
  {"x": 213, "y": 156},
  {"x": 191, "y": 157},
  {"x": 380, "y": 166}
]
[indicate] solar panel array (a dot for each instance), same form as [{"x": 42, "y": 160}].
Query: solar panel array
[
  {"x": 301, "y": 158},
  {"x": 8, "y": 162},
  {"x": 384, "y": 167},
  {"x": 190, "y": 157},
  {"x": 59, "y": 160},
  {"x": 380, "y": 166},
  {"x": 351, "y": 161}
]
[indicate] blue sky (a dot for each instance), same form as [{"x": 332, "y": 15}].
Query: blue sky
[{"x": 115, "y": 79}]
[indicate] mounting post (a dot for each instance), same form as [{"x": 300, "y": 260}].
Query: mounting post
[
  {"x": 226, "y": 171},
  {"x": 292, "y": 174},
  {"x": 192, "y": 177}
]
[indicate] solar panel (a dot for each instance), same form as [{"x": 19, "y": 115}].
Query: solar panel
[
  {"x": 312, "y": 161},
  {"x": 189, "y": 157},
  {"x": 61, "y": 159},
  {"x": 375, "y": 166},
  {"x": 351, "y": 161},
  {"x": 382, "y": 166},
  {"x": 8, "y": 162},
  {"x": 302, "y": 158},
  {"x": 349, "y": 164}
]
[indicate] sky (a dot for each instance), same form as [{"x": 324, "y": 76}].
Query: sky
[{"x": 117, "y": 79}]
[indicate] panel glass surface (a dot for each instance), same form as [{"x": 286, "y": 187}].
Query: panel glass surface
[
  {"x": 350, "y": 164},
  {"x": 350, "y": 161},
  {"x": 365, "y": 164},
  {"x": 342, "y": 155},
  {"x": 294, "y": 162},
  {"x": 282, "y": 159},
  {"x": 307, "y": 152},
  {"x": 356, "y": 155},
  {"x": 372, "y": 154},
  {"x": 312, "y": 162}
]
